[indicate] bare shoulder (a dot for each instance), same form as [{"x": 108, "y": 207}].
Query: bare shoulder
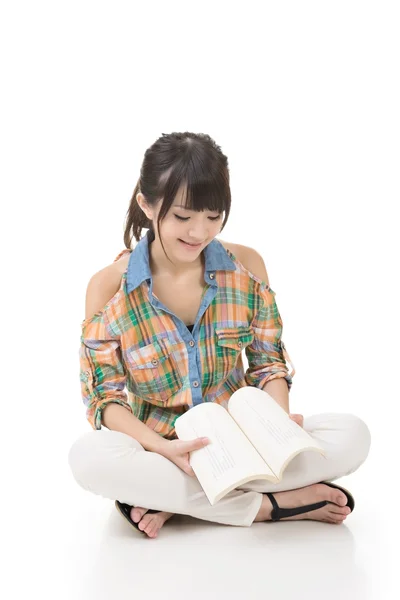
[
  {"x": 103, "y": 285},
  {"x": 250, "y": 259}
]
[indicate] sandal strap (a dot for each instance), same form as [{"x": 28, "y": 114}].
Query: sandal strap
[{"x": 281, "y": 513}]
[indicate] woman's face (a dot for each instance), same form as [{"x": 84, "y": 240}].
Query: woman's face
[{"x": 181, "y": 225}]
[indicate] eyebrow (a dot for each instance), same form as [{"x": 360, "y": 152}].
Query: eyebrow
[{"x": 184, "y": 208}]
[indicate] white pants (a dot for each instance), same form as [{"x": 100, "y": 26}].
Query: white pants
[{"x": 114, "y": 465}]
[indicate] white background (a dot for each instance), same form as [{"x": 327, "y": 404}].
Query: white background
[{"x": 303, "y": 97}]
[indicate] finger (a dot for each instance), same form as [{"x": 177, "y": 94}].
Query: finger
[
  {"x": 188, "y": 470},
  {"x": 197, "y": 443}
]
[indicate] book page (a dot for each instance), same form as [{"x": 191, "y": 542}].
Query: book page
[
  {"x": 229, "y": 460},
  {"x": 274, "y": 435}
]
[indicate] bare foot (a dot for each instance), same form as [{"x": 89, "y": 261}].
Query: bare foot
[
  {"x": 331, "y": 513},
  {"x": 150, "y": 523}
]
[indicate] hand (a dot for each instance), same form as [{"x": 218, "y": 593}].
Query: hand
[
  {"x": 299, "y": 419},
  {"x": 178, "y": 452}
]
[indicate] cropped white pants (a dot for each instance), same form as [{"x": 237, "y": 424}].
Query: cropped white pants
[{"x": 116, "y": 466}]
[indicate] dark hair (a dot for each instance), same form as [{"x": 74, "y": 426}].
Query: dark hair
[{"x": 189, "y": 160}]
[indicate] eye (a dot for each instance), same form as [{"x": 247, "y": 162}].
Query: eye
[{"x": 187, "y": 218}]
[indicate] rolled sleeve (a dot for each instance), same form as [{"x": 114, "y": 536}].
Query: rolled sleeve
[
  {"x": 102, "y": 372},
  {"x": 267, "y": 353}
]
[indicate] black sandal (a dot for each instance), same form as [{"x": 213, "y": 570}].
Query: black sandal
[
  {"x": 281, "y": 513},
  {"x": 125, "y": 510}
]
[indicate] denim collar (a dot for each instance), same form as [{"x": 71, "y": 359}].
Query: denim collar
[{"x": 216, "y": 259}]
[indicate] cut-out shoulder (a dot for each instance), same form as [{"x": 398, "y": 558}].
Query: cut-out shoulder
[
  {"x": 102, "y": 286},
  {"x": 254, "y": 262},
  {"x": 249, "y": 258}
]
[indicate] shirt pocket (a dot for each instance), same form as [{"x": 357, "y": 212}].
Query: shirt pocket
[
  {"x": 154, "y": 372},
  {"x": 230, "y": 343}
]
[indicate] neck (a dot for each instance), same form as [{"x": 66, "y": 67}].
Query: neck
[{"x": 160, "y": 265}]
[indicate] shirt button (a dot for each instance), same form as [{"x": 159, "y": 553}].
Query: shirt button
[
  {"x": 154, "y": 361},
  {"x": 212, "y": 275},
  {"x": 195, "y": 384},
  {"x": 191, "y": 343}
]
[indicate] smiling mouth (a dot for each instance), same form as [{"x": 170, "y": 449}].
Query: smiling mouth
[{"x": 193, "y": 245}]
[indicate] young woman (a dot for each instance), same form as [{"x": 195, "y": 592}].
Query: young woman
[{"x": 164, "y": 330}]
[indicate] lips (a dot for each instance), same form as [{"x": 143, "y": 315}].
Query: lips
[{"x": 189, "y": 244}]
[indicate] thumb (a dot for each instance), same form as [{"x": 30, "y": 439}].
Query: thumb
[
  {"x": 197, "y": 443},
  {"x": 188, "y": 469},
  {"x": 297, "y": 419}
]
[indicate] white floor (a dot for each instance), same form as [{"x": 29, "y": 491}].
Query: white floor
[{"x": 75, "y": 545}]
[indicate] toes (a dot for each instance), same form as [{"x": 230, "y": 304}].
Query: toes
[
  {"x": 151, "y": 531},
  {"x": 148, "y": 525},
  {"x": 331, "y": 494},
  {"x": 137, "y": 513},
  {"x": 341, "y": 500},
  {"x": 142, "y": 525},
  {"x": 334, "y": 495},
  {"x": 333, "y": 520},
  {"x": 339, "y": 510},
  {"x": 337, "y": 518},
  {"x": 146, "y": 522}
]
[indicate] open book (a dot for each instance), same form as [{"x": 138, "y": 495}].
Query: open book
[{"x": 254, "y": 438}]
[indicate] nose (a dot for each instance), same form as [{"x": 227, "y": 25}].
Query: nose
[{"x": 197, "y": 234}]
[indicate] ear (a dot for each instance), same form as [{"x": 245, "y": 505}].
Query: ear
[{"x": 144, "y": 206}]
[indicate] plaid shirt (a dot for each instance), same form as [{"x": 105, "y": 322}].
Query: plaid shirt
[{"x": 136, "y": 352}]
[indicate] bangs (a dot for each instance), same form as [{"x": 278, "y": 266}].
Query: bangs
[
  {"x": 204, "y": 195},
  {"x": 196, "y": 188}
]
